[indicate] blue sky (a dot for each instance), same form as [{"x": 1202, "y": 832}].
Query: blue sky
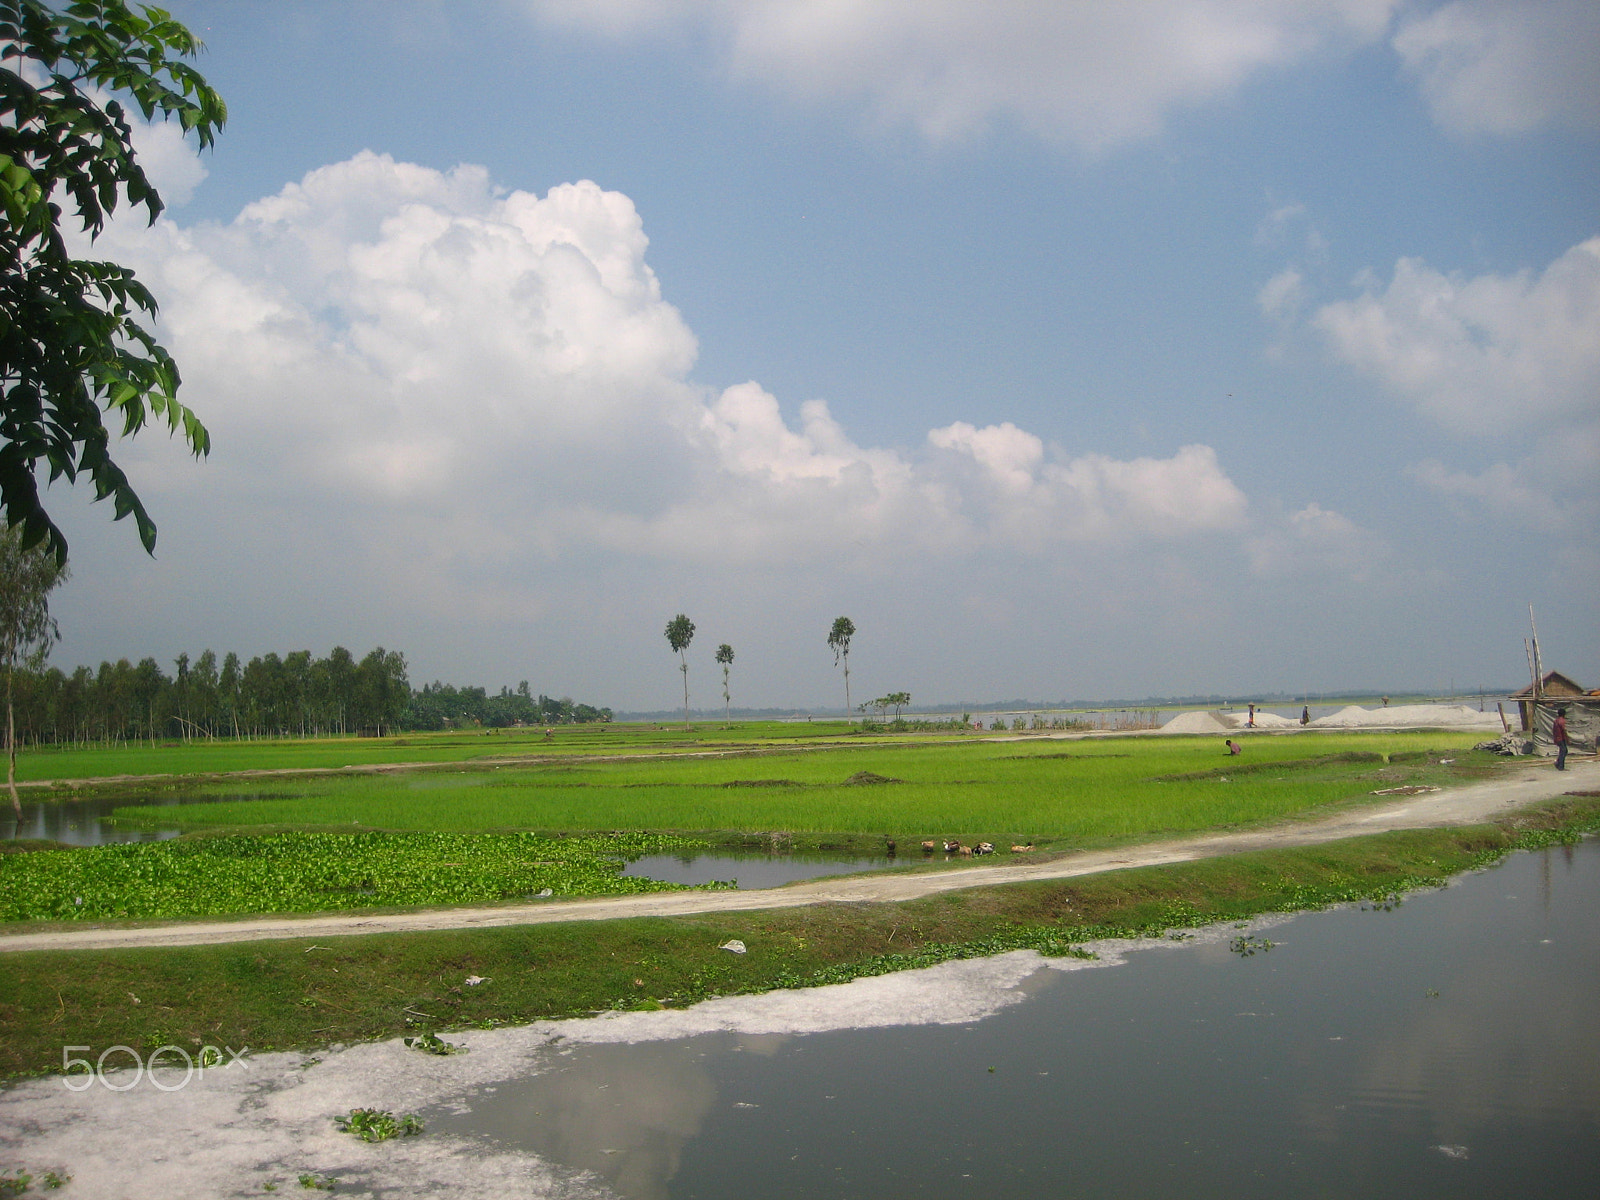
[{"x": 1071, "y": 350}]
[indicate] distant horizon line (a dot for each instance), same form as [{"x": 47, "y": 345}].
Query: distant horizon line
[{"x": 1232, "y": 699}]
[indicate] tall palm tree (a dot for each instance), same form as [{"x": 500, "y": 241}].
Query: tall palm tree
[
  {"x": 725, "y": 657},
  {"x": 839, "y": 641},
  {"x": 680, "y": 632}
]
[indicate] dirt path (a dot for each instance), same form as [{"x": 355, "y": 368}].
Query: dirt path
[{"x": 1524, "y": 784}]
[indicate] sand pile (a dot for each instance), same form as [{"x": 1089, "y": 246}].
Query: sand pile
[
  {"x": 1408, "y": 716},
  {"x": 1264, "y": 720},
  {"x": 1198, "y": 722}
]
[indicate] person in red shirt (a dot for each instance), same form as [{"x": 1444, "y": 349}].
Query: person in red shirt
[{"x": 1558, "y": 735}]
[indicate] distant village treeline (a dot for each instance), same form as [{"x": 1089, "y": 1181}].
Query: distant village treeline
[{"x": 270, "y": 696}]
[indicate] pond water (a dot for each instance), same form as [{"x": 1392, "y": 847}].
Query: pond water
[
  {"x": 749, "y": 870},
  {"x": 1448, "y": 1047},
  {"x": 82, "y": 822}
]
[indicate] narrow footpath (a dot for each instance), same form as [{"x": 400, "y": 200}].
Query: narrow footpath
[{"x": 1525, "y": 783}]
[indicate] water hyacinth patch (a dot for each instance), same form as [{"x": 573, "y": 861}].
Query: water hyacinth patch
[
  {"x": 432, "y": 1043},
  {"x": 378, "y": 1125},
  {"x": 319, "y": 872}
]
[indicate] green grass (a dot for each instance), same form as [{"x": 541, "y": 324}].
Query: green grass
[
  {"x": 441, "y": 837},
  {"x": 42, "y": 763},
  {"x": 1077, "y": 793},
  {"x": 280, "y": 995}
]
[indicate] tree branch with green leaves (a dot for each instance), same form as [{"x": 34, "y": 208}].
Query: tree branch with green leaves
[{"x": 75, "y": 350}]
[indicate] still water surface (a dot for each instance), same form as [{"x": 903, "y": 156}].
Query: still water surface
[
  {"x": 1449, "y": 1047},
  {"x": 85, "y": 822}
]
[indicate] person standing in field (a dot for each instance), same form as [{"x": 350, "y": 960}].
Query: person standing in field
[{"x": 1558, "y": 734}]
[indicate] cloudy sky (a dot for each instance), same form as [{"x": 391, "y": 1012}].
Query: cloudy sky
[{"x": 1070, "y": 349}]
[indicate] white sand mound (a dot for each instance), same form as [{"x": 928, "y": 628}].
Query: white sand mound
[
  {"x": 1264, "y": 720},
  {"x": 1408, "y": 716},
  {"x": 1198, "y": 722}
]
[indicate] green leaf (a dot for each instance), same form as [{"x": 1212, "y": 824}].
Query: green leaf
[{"x": 67, "y": 343}]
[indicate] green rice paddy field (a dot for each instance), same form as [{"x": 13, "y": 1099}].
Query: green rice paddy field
[
  {"x": 95, "y": 761},
  {"x": 459, "y": 833},
  {"x": 1074, "y": 792}
]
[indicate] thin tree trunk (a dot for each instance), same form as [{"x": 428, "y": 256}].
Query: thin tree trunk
[{"x": 11, "y": 752}]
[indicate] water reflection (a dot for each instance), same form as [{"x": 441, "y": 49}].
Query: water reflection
[
  {"x": 81, "y": 822},
  {"x": 1449, "y": 1047},
  {"x": 623, "y": 1113}
]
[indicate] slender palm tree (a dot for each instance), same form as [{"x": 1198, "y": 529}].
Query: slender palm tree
[
  {"x": 839, "y": 641},
  {"x": 680, "y": 632},
  {"x": 725, "y": 657}
]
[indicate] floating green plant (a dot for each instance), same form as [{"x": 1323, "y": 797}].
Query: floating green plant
[{"x": 377, "y": 1125}]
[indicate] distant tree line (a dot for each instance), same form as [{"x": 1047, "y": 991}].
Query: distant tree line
[
  {"x": 294, "y": 695},
  {"x": 442, "y": 706}
]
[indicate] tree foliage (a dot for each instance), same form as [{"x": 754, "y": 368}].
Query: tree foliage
[
  {"x": 74, "y": 349},
  {"x": 894, "y": 700},
  {"x": 445, "y": 706},
  {"x": 271, "y": 695},
  {"x": 839, "y": 642}
]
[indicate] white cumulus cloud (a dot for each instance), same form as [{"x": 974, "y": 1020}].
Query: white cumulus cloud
[
  {"x": 382, "y": 343},
  {"x": 1282, "y": 297},
  {"x": 1484, "y": 352},
  {"x": 1316, "y": 541},
  {"x": 1514, "y": 357},
  {"x": 1506, "y": 66},
  {"x": 1095, "y": 74}
]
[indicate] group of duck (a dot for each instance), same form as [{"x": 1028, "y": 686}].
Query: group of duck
[{"x": 953, "y": 847}]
